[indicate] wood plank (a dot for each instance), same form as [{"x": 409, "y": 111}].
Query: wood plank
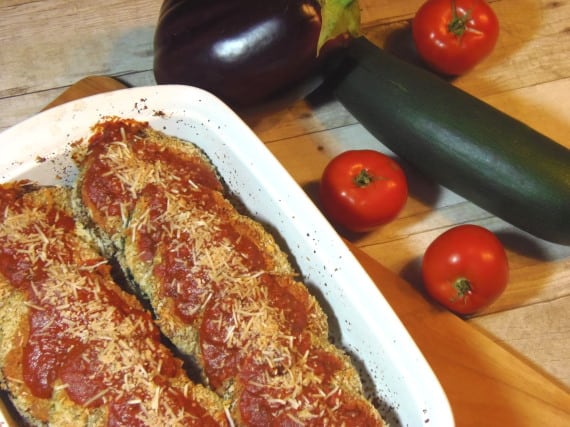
[
  {"x": 17, "y": 108},
  {"x": 375, "y": 12},
  {"x": 485, "y": 383},
  {"x": 68, "y": 40},
  {"x": 509, "y": 329},
  {"x": 86, "y": 87},
  {"x": 527, "y": 76}
]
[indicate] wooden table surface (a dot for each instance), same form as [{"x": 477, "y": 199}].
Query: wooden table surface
[{"x": 47, "y": 45}]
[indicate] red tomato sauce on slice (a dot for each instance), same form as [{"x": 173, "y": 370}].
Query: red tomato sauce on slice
[
  {"x": 223, "y": 361},
  {"x": 69, "y": 288},
  {"x": 202, "y": 295},
  {"x": 264, "y": 404},
  {"x": 105, "y": 195},
  {"x": 188, "y": 285},
  {"x": 135, "y": 133},
  {"x": 108, "y": 193}
]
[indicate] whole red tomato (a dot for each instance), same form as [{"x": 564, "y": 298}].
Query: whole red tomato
[
  {"x": 465, "y": 269},
  {"x": 362, "y": 189},
  {"x": 452, "y": 36}
]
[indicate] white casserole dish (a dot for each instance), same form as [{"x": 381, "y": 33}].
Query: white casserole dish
[{"x": 395, "y": 374}]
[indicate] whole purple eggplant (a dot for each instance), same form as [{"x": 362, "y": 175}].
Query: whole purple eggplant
[{"x": 244, "y": 51}]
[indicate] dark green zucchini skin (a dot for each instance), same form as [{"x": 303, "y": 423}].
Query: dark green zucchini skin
[{"x": 464, "y": 144}]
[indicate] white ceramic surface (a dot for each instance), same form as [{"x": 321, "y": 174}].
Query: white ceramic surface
[{"x": 394, "y": 372}]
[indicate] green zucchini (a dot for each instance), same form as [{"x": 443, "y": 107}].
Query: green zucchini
[{"x": 466, "y": 145}]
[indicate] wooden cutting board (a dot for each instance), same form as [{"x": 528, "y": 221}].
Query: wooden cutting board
[{"x": 486, "y": 384}]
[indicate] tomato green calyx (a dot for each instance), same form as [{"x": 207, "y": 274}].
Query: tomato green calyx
[
  {"x": 458, "y": 24},
  {"x": 463, "y": 288},
  {"x": 339, "y": 17},
  {"x": 364, "y": 178}
]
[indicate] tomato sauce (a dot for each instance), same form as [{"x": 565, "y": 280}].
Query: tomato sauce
[
  {"x": 70, "y": 316},
  {"x": 135, "y": 133},
  {"x": 221, "y": 301},
  {"x": 191, "y": 286},
  {"x": 201, "y": 300},
  {"x": 263, "y": 404},
  {"x": 107, "y": 195},
  {"x": 112, "y": 196}
]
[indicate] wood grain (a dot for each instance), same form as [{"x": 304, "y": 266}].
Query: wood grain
[
  {"x": 87, "y": 87},
  {"x": 48, "y": 45}
]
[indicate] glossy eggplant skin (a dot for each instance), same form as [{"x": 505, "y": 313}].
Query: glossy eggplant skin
[{"x": 243, "y": 51}]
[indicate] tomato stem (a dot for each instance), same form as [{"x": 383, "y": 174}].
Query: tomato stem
[
  {"x": 363, "y": 178},
  {"x": 463, "y": 288},
  {"x": 458, "y": 24}
]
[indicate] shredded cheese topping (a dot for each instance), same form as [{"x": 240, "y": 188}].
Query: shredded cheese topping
[
  {"x": 116, "y": 342},
  {"x": 260, "y": 332}
]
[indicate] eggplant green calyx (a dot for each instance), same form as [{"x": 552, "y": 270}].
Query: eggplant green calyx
[{"x": 339, "y": 17}]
